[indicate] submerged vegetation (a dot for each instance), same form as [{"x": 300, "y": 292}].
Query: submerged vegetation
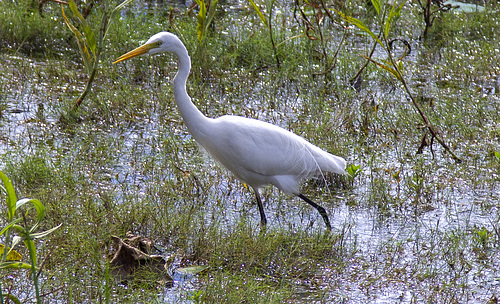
[{"x": 410, "y": 224}]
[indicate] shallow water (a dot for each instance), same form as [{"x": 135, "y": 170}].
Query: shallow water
[{"x": 381, "y": 217}]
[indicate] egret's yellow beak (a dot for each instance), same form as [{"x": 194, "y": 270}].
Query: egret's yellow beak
[{"x": 143, "y": 49}]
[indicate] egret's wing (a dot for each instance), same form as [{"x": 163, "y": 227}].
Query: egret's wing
[{"x": 246, "y": 144}]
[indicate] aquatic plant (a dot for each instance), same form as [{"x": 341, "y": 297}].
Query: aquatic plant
[
  {"x": 25, "y": 233},
  {"x": 90, "y": 43},
  {"x": 430, "y": 11},
  {"x": 205, "y": 18}
]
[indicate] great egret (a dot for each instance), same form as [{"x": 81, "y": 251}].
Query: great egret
[{"x": 256, "y": 152}]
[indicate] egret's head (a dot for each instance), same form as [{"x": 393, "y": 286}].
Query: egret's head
[{"x": 158, "y": 43}]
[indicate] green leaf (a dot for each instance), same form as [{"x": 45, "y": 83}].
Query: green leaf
[
  {"x": 376, "y": 5},
  {"x": 257, "y": 10},
  {"x": 15, "y": 265},
  {"x": 202, "y": 16},
  {"x": 80, "y": 41},
  {"x": 11, "y": 297},
  {"x": 10, "y": 225},
  {"x": 11, "y": 195},
  {"x": 40, "y": 209},
  {"x": 39, "y": 235},
  {"x": 400, "y": 66},
  {"x": 211, "y": 13},
  {"x": 30, "y": 244},
  {"x": 393, "y": 13},
  {"x": 360, "y": 25},
  {"x": 353, "y": 171},
  {"x": 89, "y": 34},
  {"x": 387, "y": 68},
  {"x": 497, "y": 155}
]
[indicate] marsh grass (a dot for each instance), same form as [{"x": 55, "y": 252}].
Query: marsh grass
[{"x": 409, "y": 225}]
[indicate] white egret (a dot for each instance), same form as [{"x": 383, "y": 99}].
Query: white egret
[{"x": 256, "y": 152}]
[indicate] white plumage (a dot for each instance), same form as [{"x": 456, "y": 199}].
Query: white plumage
[{"x": 256, "y": 152}]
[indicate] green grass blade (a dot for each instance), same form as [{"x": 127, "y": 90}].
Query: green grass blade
[
  {"x": 385, "y": 67},
  {"x": 376, "y": 5},
  {"x": 395, "y": 11},
  {"x": 360, "y": 25},
  {"x": 15, "y": 265},
  {"x": 261, "y": 15},
  {"x": 122, "y": 5}
]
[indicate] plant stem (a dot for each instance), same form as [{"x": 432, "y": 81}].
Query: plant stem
[
  {"x": 269, "y": 26},
  {"x": 358, "y": 74},
  {"x": 88, "y": 86},
  {"x": 428, "y": 125},
  {"x": 32, "y": 251},
  {"x": 102, "y": 33}
]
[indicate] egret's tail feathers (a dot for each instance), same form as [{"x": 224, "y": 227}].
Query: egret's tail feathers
[
  {"x": 327, "y": 162},
  {"x": 337, "y": 164}
]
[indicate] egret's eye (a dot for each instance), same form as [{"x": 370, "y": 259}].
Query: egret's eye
[{"x": 159, "y": 43}]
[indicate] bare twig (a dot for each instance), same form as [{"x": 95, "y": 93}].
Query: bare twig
[{"x": 419, "y": 110}]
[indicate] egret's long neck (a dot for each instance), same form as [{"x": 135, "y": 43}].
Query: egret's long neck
[{"x": 194, "y": 119}]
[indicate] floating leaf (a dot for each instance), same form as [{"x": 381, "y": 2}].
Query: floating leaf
[
  {"x": 464, "y": 7},
  {"x": 192, "y": 269}
]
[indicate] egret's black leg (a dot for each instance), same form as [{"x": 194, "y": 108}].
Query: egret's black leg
[
  {"x": 263, "y": 221},
  {"x": 320, "y": 209}
]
